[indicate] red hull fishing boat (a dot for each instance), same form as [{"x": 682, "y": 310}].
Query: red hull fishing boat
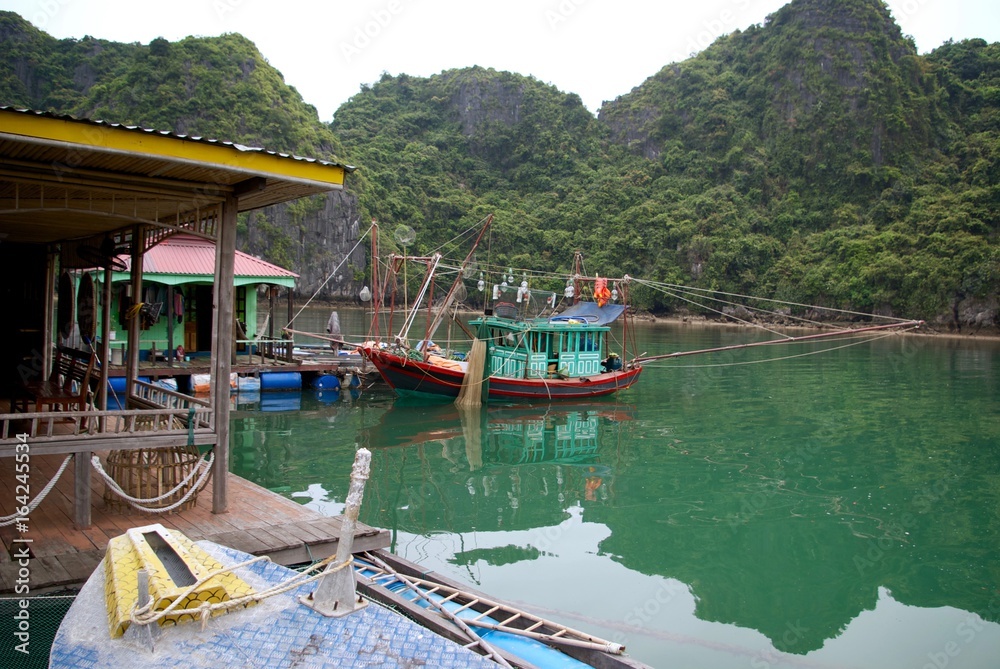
[
  {"x": 535, "y": 343},
  {"x": 527, "y": 345}
]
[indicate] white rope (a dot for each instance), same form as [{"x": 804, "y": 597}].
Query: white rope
[
  {"x": 347, "y": 257},
  {"x": 10, "y": 520},
  {"x": 205, "y": 466},
  {"x": 663, "y": 286},
  {"x": 778, "y": 359},
  {"x": 148, "y": 614}
]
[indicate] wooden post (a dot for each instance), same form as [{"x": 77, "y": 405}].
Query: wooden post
[
  {"x": 81, "y": 494},
  {"x": 272, "y": 293},
  {"x": 48, "y": 325},
  {"x": 102, "y": 391},
  {"x": 170, "y": 326},
  {"x": 132, "y": 363},
  {"x": 222, "y": 350},
  {"x": 289, "y": 345}
]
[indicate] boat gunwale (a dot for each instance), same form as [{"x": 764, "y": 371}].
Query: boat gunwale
[{"x": 594, "y": 385}]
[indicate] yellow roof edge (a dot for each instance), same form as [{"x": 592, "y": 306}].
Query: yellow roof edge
[{"x": 108, "y": 137}]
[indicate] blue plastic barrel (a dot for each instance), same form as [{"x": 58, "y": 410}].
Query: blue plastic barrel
[
  {"x": 280, "y": 381},
  {"x": 327, "y": 396},
  {"x": 326, "y": 382},
  {"x": 116, "y": 391}
]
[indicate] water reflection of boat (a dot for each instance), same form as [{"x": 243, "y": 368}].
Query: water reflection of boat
[{"x": 506, "y": 435}]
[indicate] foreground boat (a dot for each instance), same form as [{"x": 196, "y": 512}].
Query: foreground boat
[
  {"x": 278, "y": 631},
  {"x": 160, "y": 600}
]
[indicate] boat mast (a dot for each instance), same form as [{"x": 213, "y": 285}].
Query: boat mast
[
  {"x": 376, "y": 288},
  {"x": 411, "y": 314},
  {"x": 450, "y": 297},
  {"x": 577, "y": 270}
]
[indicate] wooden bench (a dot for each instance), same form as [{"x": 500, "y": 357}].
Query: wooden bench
[{"x": 67, "y": 387}]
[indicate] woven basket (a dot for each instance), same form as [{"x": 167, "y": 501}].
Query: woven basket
[{"x": 146, "y": 473}]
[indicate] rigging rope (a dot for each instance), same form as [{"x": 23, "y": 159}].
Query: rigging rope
[
  {"x": 786, "y": 357},
  {"x": 330, "y": 276},
  {"x": 656, "y": 285},
  {"x": 10, "y": 520},
  {"x": 451, "y": 242}
]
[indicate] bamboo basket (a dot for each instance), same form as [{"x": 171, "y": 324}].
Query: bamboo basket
[{"x": 146, "y": 473}]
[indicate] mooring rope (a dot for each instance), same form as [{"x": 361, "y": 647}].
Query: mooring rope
[
  {"x": 204, "y": 466},
  {"x": 10, "y": 520},
  {"x": 708, "y": 294},
  {"x": 148, "y": 614},
  {"x": 786, "y": 357}
]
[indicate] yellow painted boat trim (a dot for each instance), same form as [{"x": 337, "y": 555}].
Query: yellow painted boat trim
[
  {"x": 140, "y": 142},
  {"x": 130, "y": 552}
]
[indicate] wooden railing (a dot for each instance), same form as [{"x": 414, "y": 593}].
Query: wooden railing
[
  {"x": 150, "y": 396},
  {"x": 156, "y": 417},
  {"x": 83, "y": 431}
]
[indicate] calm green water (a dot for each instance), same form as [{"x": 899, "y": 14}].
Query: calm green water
[{"x": 834, "y": 510}]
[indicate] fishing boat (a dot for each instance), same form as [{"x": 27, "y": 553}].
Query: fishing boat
[
  {"x": 527, "y": 344},
  {"x": 556, "y": 358},
  {"x": 532, "y": 342}
]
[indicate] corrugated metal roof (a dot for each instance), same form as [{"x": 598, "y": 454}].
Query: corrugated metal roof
[
  {"x": 168, "y": 133},
  {"x": 62, "y": 177},
  {"x": 186, "y": 254}
]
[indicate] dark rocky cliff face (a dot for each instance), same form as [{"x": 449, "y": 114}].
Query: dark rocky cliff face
[
  {"x": 320, "y": 241},
  {"x": 489, "y": 98}
]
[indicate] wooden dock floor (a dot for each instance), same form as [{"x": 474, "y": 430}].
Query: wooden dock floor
[
  {"x": 259, "y": 522},
  {"x": 252, "y": 364}
]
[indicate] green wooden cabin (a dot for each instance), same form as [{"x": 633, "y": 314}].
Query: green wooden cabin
[{"x": 175, "y": 305}]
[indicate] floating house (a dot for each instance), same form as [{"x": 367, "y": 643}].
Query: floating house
[
  {"x": 76, "y": 194},
  {"x": 174, "y": 306}
]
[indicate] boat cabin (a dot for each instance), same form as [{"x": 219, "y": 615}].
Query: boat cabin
[{"x": 542, "y": 348}]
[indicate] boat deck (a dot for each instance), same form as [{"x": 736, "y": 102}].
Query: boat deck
[
  {"x": 259, "y": 522},
  {"x": 277, "y": 632}
]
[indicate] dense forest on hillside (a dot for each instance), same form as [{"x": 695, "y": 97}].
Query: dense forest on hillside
[{"x": 816, "y": 158}]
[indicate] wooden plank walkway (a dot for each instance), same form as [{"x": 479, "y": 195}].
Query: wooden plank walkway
[{"x": 259, "y": 522}]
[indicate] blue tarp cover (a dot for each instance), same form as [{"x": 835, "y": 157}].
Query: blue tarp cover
[{"x": 590, "y": 313}]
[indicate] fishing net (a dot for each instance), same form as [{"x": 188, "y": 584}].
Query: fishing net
[{"x": 470, "y": 394}]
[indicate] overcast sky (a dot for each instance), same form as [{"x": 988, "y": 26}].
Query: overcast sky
[{"x": 599, "y": 49}]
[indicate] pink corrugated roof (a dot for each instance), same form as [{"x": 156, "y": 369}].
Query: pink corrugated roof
[{"x": 186, "y": 254}]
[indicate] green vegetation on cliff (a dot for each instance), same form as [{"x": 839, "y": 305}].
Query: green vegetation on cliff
[
  {"x": 218, "y": 87},
  {"x": 816, "y": 158}
]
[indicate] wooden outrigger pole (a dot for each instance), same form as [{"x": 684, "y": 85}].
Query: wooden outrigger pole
[{"x": 789, "y": 340}]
